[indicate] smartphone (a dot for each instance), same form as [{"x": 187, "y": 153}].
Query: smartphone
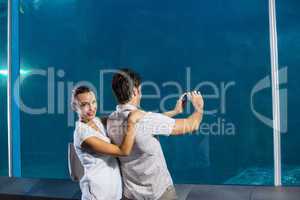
[{"x": 184, "y": 100}]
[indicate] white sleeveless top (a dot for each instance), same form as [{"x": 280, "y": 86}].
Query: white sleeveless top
[{"x": 102, "y": 179}]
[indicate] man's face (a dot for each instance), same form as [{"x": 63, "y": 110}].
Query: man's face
[{"x": 86, "y": 105}]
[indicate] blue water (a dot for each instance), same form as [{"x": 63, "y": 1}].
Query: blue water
[
  {"x": 214, "y": 41},
  {"x": 264, "y": 176}
]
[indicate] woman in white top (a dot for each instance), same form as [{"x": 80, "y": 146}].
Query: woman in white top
[{"x": 102, "y": 179}]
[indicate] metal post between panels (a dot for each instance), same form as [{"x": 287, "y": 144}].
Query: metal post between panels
[
  {"x": 275, "y": 93},
  {"x": 13, "y": 68}
]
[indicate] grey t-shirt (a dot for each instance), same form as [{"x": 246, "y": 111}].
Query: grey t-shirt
[{"x": 144, "y": 172}]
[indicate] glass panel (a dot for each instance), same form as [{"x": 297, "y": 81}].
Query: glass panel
[
  {"x": 3, "y": 89},
  {"x": 225, "y": 43},
  {"x": 221, "y": 47},
  {"x": 288, "y": 14},
  {"x": 51, "y": 55}
]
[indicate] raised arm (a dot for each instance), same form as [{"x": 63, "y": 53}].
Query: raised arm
[
  {"x": 191, "y": 123},
  {"x": 100, "y": 146},
  {"x": 177, "y": 110}
]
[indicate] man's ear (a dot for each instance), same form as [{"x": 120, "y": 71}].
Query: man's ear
[{"x": 135, "y": 91}]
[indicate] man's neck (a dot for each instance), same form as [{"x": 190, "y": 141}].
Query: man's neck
[{"x": 133, "y": 102}]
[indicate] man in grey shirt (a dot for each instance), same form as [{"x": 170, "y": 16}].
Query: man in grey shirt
[{"x": 145, "y": 173}]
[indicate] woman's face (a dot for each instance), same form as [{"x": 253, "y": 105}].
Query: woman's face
[{"x": 86, "y": 105}]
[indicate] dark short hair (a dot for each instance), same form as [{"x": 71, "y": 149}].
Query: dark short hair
[
  {"x": 123, "y": 83},
  {"x": 76, "y": 91}
]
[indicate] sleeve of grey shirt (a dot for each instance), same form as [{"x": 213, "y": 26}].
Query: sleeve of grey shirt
[{"x": 156, "y": 124}]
